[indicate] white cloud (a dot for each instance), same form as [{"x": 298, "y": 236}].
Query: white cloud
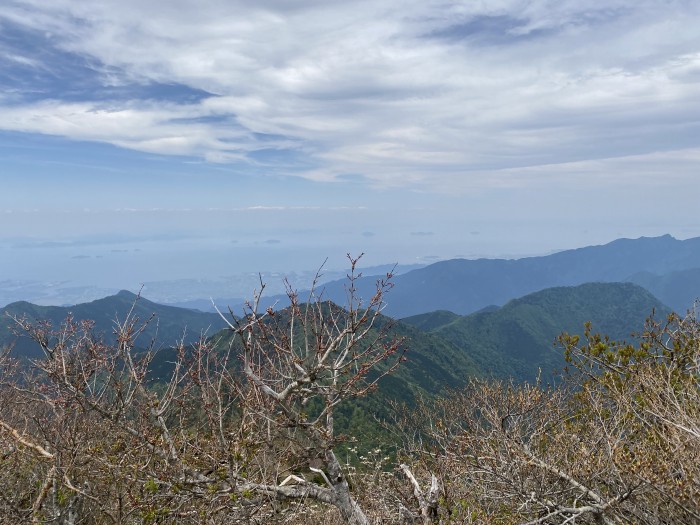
[{"x": 430, "y": 94}]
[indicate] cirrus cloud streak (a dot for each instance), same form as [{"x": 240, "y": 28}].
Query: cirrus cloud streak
[{"x": 446, "y": 96}]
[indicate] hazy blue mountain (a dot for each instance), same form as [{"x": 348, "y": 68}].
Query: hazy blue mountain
[
  {"x": 465, "y": 286},
  {"x": 678, "y": 289},
  {"x": 517, "y": 339},
  {"x": 274, "y": 281},
  {"x": 169, "y": 325}
]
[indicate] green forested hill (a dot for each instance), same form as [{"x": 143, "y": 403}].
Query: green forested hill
[
  {"x": 169, "y": 325},
  {"x": 517, "y": 339},
  {"x": 443, "y": 349},
  {"x": 432, "y": 364}
]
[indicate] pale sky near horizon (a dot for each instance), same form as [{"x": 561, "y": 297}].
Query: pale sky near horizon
[{"x": 171, "y": 139}]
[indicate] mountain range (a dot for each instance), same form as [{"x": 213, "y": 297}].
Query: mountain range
[
  {"x": 459, "y": 318},
  {"x": 169, "y": 324},
  {"x": 463, "y": 317},
  {"x": 444, "y": 349},
  {"x": 514, "y": 342},
  {"x": 664, "y": 265}
]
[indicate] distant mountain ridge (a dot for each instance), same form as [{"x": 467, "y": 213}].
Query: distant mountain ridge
[
  {"x": 169, "y": 325},
  {"x": 678, "y": 289},
  {"x": 535, "y": 306},
  {"x": 668, "y": 267},
  {"x": 464, "y": 286}
]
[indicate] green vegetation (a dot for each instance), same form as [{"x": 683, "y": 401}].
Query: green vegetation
[
  {"x": 317, "y": 413},
  {"x": 169, "y": 324},
  {"x": 517, "y": 340}
]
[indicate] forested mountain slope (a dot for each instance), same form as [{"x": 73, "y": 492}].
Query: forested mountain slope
[
  {"x": 169, "y": 324},
  {"x": 517, "y": 340}
]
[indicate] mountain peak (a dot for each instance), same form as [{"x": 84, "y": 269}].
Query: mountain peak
[
  {"x": 126, "y": 294},
  {"x": 664, "y": 238}
]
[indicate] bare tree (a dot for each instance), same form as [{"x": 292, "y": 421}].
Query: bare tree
[
  {"x": 240, "y": 429},
  {"x": 654, "y": 388},
  {"x": 616, "y": 442},
  {"x": 243, "y": 428}
]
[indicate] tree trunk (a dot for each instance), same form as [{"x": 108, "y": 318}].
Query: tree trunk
[{"x": 349, "y": 508}]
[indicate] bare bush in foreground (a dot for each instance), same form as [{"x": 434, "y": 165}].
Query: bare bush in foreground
[
  {"x": 243, "y": 429},
  {"x": 617, "y": 442},
  {"x": 236, "y": 432}
]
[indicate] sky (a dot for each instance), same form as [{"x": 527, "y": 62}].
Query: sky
[{"x": 162, "y": 140}]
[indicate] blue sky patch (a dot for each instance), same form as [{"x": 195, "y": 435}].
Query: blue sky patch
[{"x": 33, "y": 68}]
